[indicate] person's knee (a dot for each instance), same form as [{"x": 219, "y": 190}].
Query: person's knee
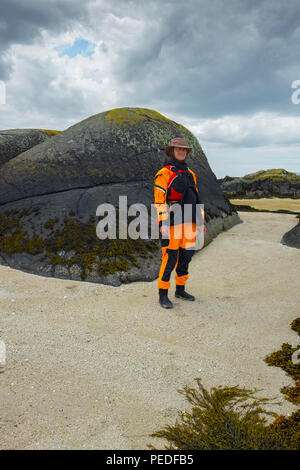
[
  {"x": 172, "y": 260},
  {"x": 172, "y": 255},
  {"x": 184, "y": 259},
  {"x": 187, "y": 254}
]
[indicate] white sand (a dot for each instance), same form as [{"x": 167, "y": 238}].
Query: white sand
[{"x": 94, "y": 366}]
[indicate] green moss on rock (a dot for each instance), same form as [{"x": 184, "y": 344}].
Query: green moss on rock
[
  {"x": 50, "y": 132},
  {"x": 50, "y": 223},
  {"x": 78, "y": 238},
  {"x": 276, "y": 174}
]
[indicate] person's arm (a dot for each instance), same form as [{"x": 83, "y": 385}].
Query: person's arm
[
  {"x": 195, "y": 179},
  {"x": 160, "y": 198}
]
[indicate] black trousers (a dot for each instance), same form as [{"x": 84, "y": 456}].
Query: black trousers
[{"x": 177, "y": 252}]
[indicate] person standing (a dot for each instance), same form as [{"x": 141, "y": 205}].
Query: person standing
[{"x": 175, "y": 186}]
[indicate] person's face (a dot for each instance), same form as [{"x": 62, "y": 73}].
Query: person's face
[{"x": 180, "y": 153}]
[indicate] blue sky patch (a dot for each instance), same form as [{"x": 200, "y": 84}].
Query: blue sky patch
[{"x": 80, "y": 46}]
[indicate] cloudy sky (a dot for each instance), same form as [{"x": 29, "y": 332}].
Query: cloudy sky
[{"x": 223, "y": 68}]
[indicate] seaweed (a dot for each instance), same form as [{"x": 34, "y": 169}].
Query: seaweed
[
  {"x": 234, "y": 418},
  {"x": 102, "y": 257}
]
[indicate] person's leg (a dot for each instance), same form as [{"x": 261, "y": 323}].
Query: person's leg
[
  {"x": 169, "y": 248},
  {"x": 185, "y": 253}
]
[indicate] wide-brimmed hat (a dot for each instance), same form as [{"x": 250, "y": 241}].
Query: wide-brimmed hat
[{"x": 177, "y": 142}]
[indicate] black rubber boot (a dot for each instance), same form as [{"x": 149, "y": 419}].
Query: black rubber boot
[
  {"x": 164, "y": 300},
  {"x": 181, "y": 294}
]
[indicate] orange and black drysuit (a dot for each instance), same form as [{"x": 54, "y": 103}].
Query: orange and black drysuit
[{"x": 176, "y": 184}]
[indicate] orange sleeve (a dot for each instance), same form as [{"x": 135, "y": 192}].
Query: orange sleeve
[
  {"x": 160, "y": 195},
  {"x": 195, "y": 179}
]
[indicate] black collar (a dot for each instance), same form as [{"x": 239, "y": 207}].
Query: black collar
[{"x": 180, "y": 165}]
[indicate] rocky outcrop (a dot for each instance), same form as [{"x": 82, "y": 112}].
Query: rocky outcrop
[
  {"x": 49, "y": 195},
  {"x": 264, "y": 183},
  {"x": 292, "y": 237},
  {"x": 15, "y": 141}
]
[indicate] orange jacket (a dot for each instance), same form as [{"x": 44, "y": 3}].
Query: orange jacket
[{"x": 161, "y": 181}]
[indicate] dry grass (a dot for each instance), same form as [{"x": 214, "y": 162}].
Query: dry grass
[{"x": 274, "y": 203}]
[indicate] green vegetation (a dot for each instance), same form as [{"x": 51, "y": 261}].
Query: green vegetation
[
  {"x": 233, "y": 418},
  {"x": 283, "y": 360},
  {"x": 131, "y": 115},
  {"x": 50, "y": 223},
  {"x": 262, "y": 184},
  {"x": 161, "y": 131},
  {"x": 50, "y": 132},
  {"x": 138, "y": 128},
  {"x": 75, "y": 238},
  {"x": 286, "y": 360},
  {"x": 274, "y": 174}
]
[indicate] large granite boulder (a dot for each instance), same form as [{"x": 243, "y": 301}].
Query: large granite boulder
[
  {"x": 15, "y": 141},
  {"x": 49, "y": 195},
  {"x": 263, "y": 183},
  {"x": 292, "y": 237}
]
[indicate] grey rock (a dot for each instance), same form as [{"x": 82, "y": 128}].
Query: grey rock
[
  {"x": 15, "y": 141},
  {"x": 269, "y": 183},
  {"x": 61, "y": 272},
  {"x": 75, "y": 272},
  {"x": 3, "y": 261},
  {"x": 65, "y": 178},
  {"x": 292, "y": 237}
]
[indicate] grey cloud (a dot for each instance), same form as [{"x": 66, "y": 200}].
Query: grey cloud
[
  {"x": 212, "y": 58},
  {"x": 200, "y": 59},
  {"x": 21, "y": 22}
]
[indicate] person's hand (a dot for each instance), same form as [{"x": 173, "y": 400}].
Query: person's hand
[{"x": 165, "y": 230}]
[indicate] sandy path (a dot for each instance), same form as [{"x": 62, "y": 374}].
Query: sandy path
[{"x": 94, "y": 366}]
